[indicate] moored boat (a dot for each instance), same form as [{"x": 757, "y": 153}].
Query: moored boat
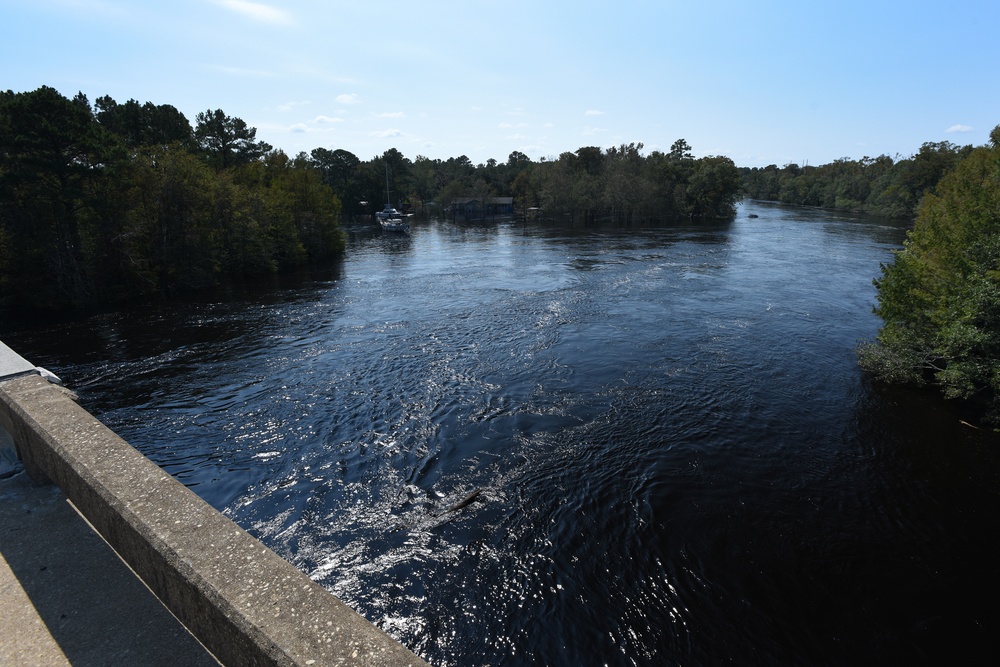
[
  {"x": 389, "y": 218},
  {"x": 392, "y": 220}
]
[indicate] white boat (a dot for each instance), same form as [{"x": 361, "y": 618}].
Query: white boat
[
  {"x": 389, "y": 218},
  {"x": 392, "y": 220}
]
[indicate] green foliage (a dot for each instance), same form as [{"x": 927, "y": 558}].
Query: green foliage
[
  {"x": 143, "y": 125},
  {"x": 878, "y": 186},
  {"x": 311, "y": 210},
  {"x": 117, "y": 202},
  {"x": 168, "y": 234},
  {"x": 711, "y": 188},
  {"x": 338, "y": 169},
  {"x": 618, "y": 183},
  {"x": 52, "y": 155},
  {"x": 227, "y": 141},
  {"x": 940, "y": 298}
]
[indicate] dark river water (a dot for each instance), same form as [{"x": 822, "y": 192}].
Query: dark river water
[{"x": 677, "y": 458}]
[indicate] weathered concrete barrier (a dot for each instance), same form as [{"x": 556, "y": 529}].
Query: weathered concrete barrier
[{"x": 247, "y": 605}]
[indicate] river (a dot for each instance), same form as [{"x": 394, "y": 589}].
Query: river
[{"x": 676, "y": 457}]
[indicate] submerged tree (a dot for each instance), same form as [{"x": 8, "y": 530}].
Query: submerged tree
[
  {"x": 711, "y": 188},
  {"x": 112, "y": 203},
  {"x": 338, "y": 169},
  {"x": 940, "y": 298},
  {"x": 880, "y": 186},
  {"x": 52, "y": 157}
]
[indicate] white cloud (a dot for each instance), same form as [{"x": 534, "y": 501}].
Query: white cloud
[
  {"x": 959, "y": 128},
  {"x": 299, "y": 127},
  {"x": 588, "y": 131},
  {"x": 327, "y": 119},
  {"x": 593, "y": 112},
  {"x": 387, "y": 134},
  {"x": 258, "y": 12},
  {"x": 348, "y": 98},
  {"x": 392, "y": 114},
  {"x": 288, "y": 106}
]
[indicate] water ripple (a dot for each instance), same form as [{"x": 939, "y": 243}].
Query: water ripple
[{"x": 653, "y": 443}]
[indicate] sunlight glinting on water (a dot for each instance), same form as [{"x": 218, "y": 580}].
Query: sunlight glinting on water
[{"x": 529, "y": 445}]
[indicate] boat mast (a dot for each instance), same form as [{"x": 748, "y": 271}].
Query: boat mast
[{"x": 387, "y": 201}]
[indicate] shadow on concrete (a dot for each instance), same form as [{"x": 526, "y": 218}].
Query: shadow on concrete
[{"x": 68, "y": 599}]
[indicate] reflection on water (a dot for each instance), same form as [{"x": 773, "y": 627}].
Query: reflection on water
[{"x": 676, "y": 458}]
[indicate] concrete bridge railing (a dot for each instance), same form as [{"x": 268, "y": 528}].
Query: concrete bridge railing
[{"x": 244, "y": 603}]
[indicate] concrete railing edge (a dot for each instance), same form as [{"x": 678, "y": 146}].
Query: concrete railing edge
[{"x": 246, "y": 604}]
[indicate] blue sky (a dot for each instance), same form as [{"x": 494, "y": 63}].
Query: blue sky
[{"x": 769, "y": 81}]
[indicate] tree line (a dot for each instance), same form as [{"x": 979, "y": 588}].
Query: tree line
[
  {"x": 618, "y": 183},
  {"x": 878, "y": 186},
  {"x": 939, "y": 299},
  {"x": 111, "y": 203}
]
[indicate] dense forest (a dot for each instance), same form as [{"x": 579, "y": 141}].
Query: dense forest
[
  {"x": 878, "y": 186},
  {"x": 939, "y": 300},
  {"x": 115, "y": 202},
  {"x": 618, "y": 183},
  {"x": 108, "y": 203}
]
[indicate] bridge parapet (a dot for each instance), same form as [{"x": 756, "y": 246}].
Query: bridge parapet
[{"x": 245, "y": 603}]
